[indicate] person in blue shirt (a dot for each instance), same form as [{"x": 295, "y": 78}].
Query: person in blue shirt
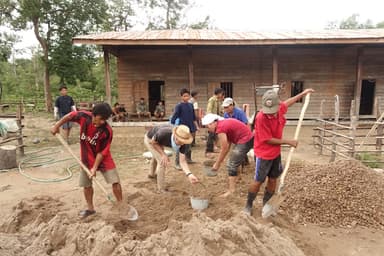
[
  {"x": 185, "y": 113},
  {"x": 231, "y": 111}
]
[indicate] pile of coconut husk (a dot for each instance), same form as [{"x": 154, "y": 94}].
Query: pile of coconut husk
[{"x": 342, "y": 193}]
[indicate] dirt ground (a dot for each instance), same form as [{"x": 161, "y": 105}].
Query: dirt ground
[{"x": 41, "y": 200}]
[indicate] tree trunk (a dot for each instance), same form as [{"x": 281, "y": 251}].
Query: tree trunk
[
  {"x": 7, "y": 157},
  {"x": 44, "y": 44},
  {"x": 47, "y": 84}
]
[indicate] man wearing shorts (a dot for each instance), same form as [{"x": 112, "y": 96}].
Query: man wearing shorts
[
  {"x": 269, "y": 125},
  {"x": 229, "y": 131},
  {"x": 95, "y": 143},
  {"x": 63, "y": 105}
]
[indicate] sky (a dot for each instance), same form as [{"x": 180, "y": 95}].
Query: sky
[
  {"x": 287, "y": 15},
  {"x": 255, "y": 15}
]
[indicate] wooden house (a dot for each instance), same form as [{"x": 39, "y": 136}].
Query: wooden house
[{"x": 155, "y": 65}]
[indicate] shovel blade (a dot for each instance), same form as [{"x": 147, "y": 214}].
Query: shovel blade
[
  {"x": 272, "y": 206},
  {"x": 124, "y": 212},
  {"x": 132, "y": 214}
]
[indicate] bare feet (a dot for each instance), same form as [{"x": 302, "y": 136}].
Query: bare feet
[{"x": 209, "y": 155}]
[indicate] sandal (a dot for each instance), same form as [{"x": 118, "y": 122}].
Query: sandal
[{"x": 86, "y": 213}]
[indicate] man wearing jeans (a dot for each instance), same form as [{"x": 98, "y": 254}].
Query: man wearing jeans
[
  {"x": 167, "y": 136},
  {"x": 214, "y": 107},
  {"x": 229, "y": 131}
]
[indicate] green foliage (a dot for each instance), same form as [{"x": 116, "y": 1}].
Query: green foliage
[
  {"x": 6, "y": 42},
  {"x": 21, "y": 79},
  {"x": 169, "y": 14},
  {"x": 122, "y": 14},
  {"x": 352, "y": 22},
  {"x": 369, "y": 160}
]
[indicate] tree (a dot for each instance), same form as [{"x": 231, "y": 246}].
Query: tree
[
  {"x": 169, "y": 14},
  {"x": 54, "y": 23},
  {"x": 352, "y": 22},
  {"x": 122, "y": 14},
  {"x": 6, "y": 42}
]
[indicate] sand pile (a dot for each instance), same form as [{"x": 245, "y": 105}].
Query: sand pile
[
  {"x": 29, "y": 232},
  {"x": 240, "y": 235},
  {"x": 343, "y": 193}
]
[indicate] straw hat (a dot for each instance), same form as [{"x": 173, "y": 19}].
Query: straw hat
[{"x": 183, "y": 134}]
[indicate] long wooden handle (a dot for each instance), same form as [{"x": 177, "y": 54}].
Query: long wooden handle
[
  {"x": 371, "y": 130},
  {"x": 85, "y": 168},
  {"x": 296, "y": 136}
]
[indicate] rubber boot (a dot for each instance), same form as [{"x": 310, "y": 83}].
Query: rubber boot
[
  {"x": 177, "y": 161},
  {"x": 248, "y": 207},
  {"x": 267, "y": 196},
  {"x": 188, "y": 156}
]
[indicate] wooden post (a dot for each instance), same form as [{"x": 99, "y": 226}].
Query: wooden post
[
  {"x": 190, "y": 71},
  {"x": 379, "y": 131},
  {"x": 354, "y": 120},
  {"x": 358, "y": 80},
  {"x": 321, "y": 133},
  {"x": 275, "y": 66},
  {"x": 19, "y": 116},
  {"x": 107, "y": 77},
  {"x": 334, "y": 129}
]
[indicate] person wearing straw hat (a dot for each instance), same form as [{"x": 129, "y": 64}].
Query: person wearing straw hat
[
  {"x": 168, "y": 136},
  {"x": 269, "y": 125},
  {"x": 229, "y": 131},
  {"x": 95, "y": 143}
]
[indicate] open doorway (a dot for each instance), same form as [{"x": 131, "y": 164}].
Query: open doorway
[
  {"x": 155, "y": 94},
  {"x": 367, "y": 97}
]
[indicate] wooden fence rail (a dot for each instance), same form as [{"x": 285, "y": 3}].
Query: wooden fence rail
[{"x": 351, "y": 140}]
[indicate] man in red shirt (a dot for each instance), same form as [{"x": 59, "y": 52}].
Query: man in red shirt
[
  {"x": 229, "y": 131},
  {"x": 269, "y": 125},
  {"x": 95, "y": 143}
]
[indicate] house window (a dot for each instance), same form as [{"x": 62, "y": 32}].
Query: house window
[
  {"x": 227, "y": 86},
  {"x": 297, "y": 88}
]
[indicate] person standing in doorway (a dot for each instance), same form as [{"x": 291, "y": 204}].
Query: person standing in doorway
[{"x": 64, "y": 104}]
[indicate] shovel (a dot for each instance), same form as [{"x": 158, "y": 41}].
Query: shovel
[
  {"x": 129, "y": 214},
  {"x": 273, "y": 204}
]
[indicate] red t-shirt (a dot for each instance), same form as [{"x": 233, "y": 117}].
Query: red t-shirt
[
  {"x": 266, "y": 128},
  {"x": 94, "y": 140},
  {"x": 237, "y": 132}
]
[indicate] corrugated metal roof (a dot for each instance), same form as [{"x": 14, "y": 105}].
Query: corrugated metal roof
[{"x": 219, "y": 37}]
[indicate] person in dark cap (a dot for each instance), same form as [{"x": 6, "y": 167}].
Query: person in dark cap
[{"x": 268, "y": 138}]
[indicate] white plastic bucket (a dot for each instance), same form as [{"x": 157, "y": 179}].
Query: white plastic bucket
[{"x": 198, "y": 203}]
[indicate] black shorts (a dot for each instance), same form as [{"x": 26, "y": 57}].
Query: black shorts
[{"x": 267, "y": 168}]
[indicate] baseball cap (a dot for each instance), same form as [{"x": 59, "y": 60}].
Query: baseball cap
[
  {"x": 210, "y": 118},
  {"x": 270, "y": 102},
  {"x": 227, "y": 102}
]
